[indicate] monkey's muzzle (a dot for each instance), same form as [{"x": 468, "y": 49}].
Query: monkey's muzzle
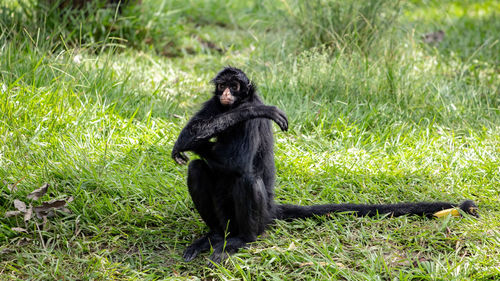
[{"x": 227, "y": 98}]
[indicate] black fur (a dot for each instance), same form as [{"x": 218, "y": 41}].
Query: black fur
[{"x": 232, "y": 185}]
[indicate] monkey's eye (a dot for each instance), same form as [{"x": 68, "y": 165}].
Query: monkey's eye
[
  {"x": 220, "y": 87},
  {"x": 235, "y": 87}
]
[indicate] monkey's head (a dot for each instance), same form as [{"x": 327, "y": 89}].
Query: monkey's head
[{"x": 232, "y": 87}]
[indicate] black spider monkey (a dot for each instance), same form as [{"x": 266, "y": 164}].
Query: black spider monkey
[{"x": 232, "y": 185}]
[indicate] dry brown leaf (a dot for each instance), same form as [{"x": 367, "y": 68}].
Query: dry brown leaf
[
  {"x": 12, "y": 213},
  {"x": 20, "y": 205},
  {"x": 37, "y": 193},
  {"x": 43, "y": 213},
  {"x": 28, "y": 214},
  {"x": 52, "y": 204},
  {"x": 47, "y": 208},
  {"x": 19, "y": 229}
]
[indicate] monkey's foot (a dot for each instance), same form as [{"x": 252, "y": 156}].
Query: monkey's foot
[
  {"x": 217, "y": 258},
  {"x": 201, "y": 245},
  {"x": 190, "y": 253},
  {"x": 223, "y": 249}
]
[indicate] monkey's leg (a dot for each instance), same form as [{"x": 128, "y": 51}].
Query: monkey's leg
[
  {"x": 251, "y": 214},
  {"x": 200, "y": 184}
]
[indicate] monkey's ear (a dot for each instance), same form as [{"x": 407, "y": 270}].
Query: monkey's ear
[{"x": 251, "y": 88}]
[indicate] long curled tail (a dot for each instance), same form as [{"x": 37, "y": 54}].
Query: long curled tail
[{"x": 428, "y": 209}]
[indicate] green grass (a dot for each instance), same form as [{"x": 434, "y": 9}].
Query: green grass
[{"x": 375, "y": 116}]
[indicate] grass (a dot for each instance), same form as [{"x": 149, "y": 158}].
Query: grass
[{"x": 375, "y": 116}]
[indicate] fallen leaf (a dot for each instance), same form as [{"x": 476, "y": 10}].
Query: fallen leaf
[
  {"x": 47, "y": 208},
  {"x": 19, "y": 229},
  {"x": 20, "y": 205},
  {"x": 28, "y": 214},
  {"x": 52, "y": 204},
  {"x": 12, "y": 213},
  {"x": 37, "y": 193},
  {"x": 292, "y": 247}
]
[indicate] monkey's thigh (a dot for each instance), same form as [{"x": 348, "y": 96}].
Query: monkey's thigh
[
  {"x": 201, "y": 183},
  {"x": 251, "y": 207}
]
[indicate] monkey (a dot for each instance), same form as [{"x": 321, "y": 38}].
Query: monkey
[{"x": 232, "y": 184}]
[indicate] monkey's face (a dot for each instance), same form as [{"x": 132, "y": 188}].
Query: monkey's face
[
  {"x": 232, "y": 87},
  {"x": 229, "y": 93}
]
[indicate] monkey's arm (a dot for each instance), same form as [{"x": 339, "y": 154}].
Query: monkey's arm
[
  {"x": 208, "y": 128},
  {"x": 200, "y": 129}
]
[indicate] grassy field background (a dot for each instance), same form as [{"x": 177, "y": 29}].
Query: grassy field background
[{"x": 92, "y": 100}]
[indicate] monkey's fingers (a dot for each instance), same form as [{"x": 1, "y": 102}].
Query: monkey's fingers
[
  {"x": 278, "y": 116},
  {"x": 181, "y": 158},
  {"x": 216, "y": 258},
  {"x": 190, "y": 253},
  {"x": 179, "y": 161},
  {"x": 284, "y": 125},
  {"x": 282, "y": 120},
  {"x": 185, "y": 159}
]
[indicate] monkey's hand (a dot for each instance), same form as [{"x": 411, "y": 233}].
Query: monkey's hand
[
  {"x": 180, "y": 157},
  {"x": 279, "y": 117}
]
